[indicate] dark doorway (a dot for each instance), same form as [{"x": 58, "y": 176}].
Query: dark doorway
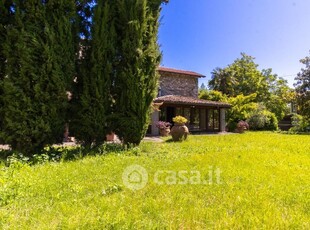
[{"x": 170, "y": 113}]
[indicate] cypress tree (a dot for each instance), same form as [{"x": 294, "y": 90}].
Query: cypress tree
[
  {"x": 34, "y": 92},
  {"x": 135, "y": 81},
  {"x": 92, "y": 99},
  {"x": 5, "y": 21}
]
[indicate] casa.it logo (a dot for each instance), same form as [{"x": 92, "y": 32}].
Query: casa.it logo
[{"x": 135, "y": 177}]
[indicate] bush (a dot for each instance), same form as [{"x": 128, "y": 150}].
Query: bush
[
  {"x": 179, "y": 119},
  {"x": 163, "y": 124},
  {"x": 231, "y": 126},
  {"x": 300, "y": 124},
  {"x": 242, "y": 126},
  {"x": 263, "y": 120}
]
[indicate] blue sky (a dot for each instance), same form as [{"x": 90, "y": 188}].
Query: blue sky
[{"x": 200, "y": 35}]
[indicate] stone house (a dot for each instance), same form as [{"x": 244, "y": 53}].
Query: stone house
[{"x": 178, "y": 95}]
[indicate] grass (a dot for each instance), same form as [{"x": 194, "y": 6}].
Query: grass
[{"x": 264, "y": 183}]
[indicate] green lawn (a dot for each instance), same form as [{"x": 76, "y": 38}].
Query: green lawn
[{"x": 247, "y": 181}]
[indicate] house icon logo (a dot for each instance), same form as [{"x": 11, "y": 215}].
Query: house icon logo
[{"x": 135, "y": 177}]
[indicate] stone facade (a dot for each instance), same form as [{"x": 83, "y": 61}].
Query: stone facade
[
  {"x": 178, "y": 84},
  {"x": 178, "y": 93}
]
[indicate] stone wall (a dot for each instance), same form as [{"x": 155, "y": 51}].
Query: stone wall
[{"x": 178, "y": 84}]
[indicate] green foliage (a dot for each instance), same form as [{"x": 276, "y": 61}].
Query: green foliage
[
  {"x": 242, "y": 107},
  {"x": 179, "y": 119},
  {"x": 102, "y": 53},
  {"x": 135, "y": 81},
  {"x": 5, "y": 21},
  {"x": 223, "y": 80},
  {"x": 300, "y": 124},
  {"x": 212, "y": 95},
  {"x": 281, "y": 95},
  {"x": 10, "y": 181},
  {"x": 243, "y": 77},
  {"x": 278, "y": 106},
  {"x": 263, "y": 120},
  {"x": 34, "y": 91},
  {"x": 302, "y": 87},
  {"x": 90, "y": 193},
  {"x": 91, "y": 102}
]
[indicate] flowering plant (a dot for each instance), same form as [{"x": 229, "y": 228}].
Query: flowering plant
[
  {"x": 162, "y": 124},
  {"x": 242, "y": 126},
  {"x": 179, "y": 119}
]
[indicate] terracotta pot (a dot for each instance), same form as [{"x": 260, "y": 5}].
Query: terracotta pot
[
  {"x": 179, "y": 132},
  {"x": 110, "y": 137},
  {"x": 164, "y": 132}
]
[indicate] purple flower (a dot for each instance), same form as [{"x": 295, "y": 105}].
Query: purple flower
[
  {"x": 243, "y": 125},
  {"x": 163, "y": 124}
]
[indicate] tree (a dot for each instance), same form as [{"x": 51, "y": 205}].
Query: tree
[
  {"x": 92, "y": 101},
  {"x": 223, "y": 80},
  {"x": 280, "y": 94},
  {"x": 34, "y": 89},
  {"x": 242, "y": 107},
  {"x": 5, "y": 21},
  {"x": 212, "y": 95},
  {"x": 135, "y": 81},
  {"x": 241, "y": 77},
  {"x": 302, "y": 87},
  {"x": 202, "y": 86}
]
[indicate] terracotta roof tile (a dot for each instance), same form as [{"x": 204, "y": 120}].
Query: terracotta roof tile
[
  {"x": 170, "y": 70},
  {"x": 181, "y": 100}
]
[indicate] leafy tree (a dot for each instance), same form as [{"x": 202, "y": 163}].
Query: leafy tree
[
  {"x": 240, "y": 77},
  {"x": 242, "y": 107},
  {"x": 300, "y": 124},
  {"x": 135, "y": 83},
  {"x": 212, "y": 95},
  {"x": 302, "y": 87},
  {"x": 34, "y": 89},
  {"x": 280, "y": 94},
  {"x": 243, "y": 77},
  {"x": 223, "y": 80}
]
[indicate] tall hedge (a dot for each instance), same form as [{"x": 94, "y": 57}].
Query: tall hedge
[
  {"x": 135, "y": 80},
  {"x": 37, "y": 67},
  {"x": 5, "y": 22},
  {"x": 92, "y": 98}
]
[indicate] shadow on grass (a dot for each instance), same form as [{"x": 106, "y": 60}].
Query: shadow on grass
[
  {"x": 295, "y": 133},
  {"x": 172, "y": 141},
  {"x": 169, "y": 140},
  {"x": 60, "y": 154}
]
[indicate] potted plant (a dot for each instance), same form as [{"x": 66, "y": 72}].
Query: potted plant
[
  {"x": 242, "y": 126},
  {"x": 110, "y": 136},
  {"x": 179, "y": 131},
  {"x": 164, "y": 128}
]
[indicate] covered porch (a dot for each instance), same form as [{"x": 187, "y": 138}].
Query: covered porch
[{"x": 202, "y": 115}]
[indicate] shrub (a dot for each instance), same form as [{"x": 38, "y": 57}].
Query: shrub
[
  {"x": 232, "y": 126},
  {"x": 179, "y": 119},
  {"x": 162, "y": 124},
  {"x": 300, "y": 124},
  {"x": 263, "y": 120},
  {"x": 242, "y": 126}
]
